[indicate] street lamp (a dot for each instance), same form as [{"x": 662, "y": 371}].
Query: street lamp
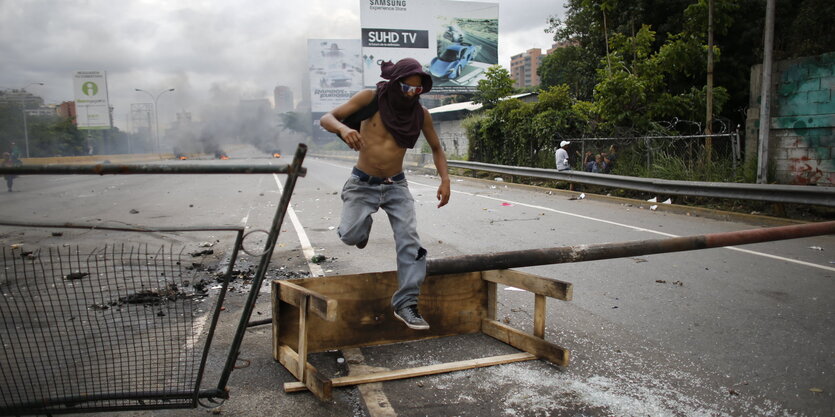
[
  {"x": 25, "y": 127},
  {"x": 156, "y": 114}
]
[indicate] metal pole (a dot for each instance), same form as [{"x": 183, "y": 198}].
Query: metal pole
[
  {"x": 156, "y": 112},
  {"x": 765, "y": 95},
  {"x": 23, "y": 108},
  {"x": 25, "y": 132},
  {"x": 709, "y": 93},
  {"x": 582, "y": 253},
  {"x": 269, "y": 247}
]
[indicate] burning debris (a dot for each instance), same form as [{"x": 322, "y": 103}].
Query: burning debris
[
  {"x": 180, "y": 156},
  {"x": 221, "y": 155},
  {"x": 276, "y": 154}
]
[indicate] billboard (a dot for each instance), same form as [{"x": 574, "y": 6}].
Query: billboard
[
  {"x": 92, "y": 107},
  {"x": 456, "y": 41},
  {"x": 335, "y": 71}
]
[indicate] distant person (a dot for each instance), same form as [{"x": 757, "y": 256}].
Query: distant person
[
  {"x": 588, "y": 158},
  {"x": 562, "y": 156},
  {"x": 8, "y": 162},
  {"x": 596, "y": 164},
  {"x": 609, "y": 159},
  {"x": 14, "y": 152},
  {"x": 377, "y": 181}
]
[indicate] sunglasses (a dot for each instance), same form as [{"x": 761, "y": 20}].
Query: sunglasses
[{"x": 410, "y": 88}]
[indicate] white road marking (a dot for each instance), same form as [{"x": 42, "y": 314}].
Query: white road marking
[
  {"x": 636, "y": 228},
  {"x": 307, "y": 249}
]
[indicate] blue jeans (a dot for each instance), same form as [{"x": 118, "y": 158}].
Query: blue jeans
[{"x": 361, "y": 199}]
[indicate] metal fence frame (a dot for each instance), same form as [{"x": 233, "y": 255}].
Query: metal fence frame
[{"x": 76, "y": 405}]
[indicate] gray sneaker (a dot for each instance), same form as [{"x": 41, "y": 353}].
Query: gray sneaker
[
  {"x": 411, "y": 317},
  {"x": 362, "y": 244}
]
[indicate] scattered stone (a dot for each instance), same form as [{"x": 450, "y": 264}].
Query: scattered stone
[
  {"x": 134, "y": 211},
  {"x": 76, "y": 275}
]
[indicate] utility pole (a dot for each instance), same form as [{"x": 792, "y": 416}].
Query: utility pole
[
  {"x": 23, "y": 108},
  {"x": 156, "y": 112},
  {"x": 709, "y": 95},
  {"x": 765, "y": 95}
]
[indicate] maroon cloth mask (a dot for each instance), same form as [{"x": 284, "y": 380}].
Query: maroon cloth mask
[{"x": 402, "y": 115}]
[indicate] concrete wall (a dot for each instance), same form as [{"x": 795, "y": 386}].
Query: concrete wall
[
  {"x": 453, "y": 137},
  {"x": 802, "y": 139}
]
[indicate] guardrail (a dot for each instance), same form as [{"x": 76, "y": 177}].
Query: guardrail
[{"x": 796, "y": 194}]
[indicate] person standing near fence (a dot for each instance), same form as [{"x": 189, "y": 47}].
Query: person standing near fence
[
  {"x": 562, "y": 156},
  {"x": 609, "y": 158},
  {"x": 378, "y": 180}
]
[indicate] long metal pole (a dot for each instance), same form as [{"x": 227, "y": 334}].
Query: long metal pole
[
  {"x": 156, "y": 112},
  {"x": 25, "y": 132},
  {"x": 765, "y": 95},
  {"x": 269, "y": 247},
  {"x": 156, "y": 122},
  {"x": 582, "y": 253},
  {"x": 709, "y": 92},
  {"x": 23, "y": 108}
]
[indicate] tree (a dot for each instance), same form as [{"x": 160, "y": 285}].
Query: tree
[
  {"x": 297, "y": 122},
  {"x": 571, "y": 65},
  {"x": 495, "y": 85}
]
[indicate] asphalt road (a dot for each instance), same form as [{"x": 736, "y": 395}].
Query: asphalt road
[{"x": 746, "y": 331}]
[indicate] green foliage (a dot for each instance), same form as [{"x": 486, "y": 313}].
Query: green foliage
[
  {"x": 571, "y": 65},
  {"x": 495, "y": 85},
  {"x": 646, "y": 85}
]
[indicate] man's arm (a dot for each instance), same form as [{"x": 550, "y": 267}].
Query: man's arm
[
  {"x": 438, "y": 157},
  {"x": 331, "y": 120}
]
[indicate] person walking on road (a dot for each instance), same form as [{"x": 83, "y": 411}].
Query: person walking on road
[
  {"x": 8, "y": 162},
  {"x": 377, "y": 181}
]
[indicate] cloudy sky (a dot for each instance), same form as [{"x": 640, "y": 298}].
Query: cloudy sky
[{"x": 205, "y": 49}]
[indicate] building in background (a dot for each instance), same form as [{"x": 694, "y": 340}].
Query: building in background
[
  {"x": 67, "y": 110},
  {"x": 20, "y": 97},
  {"x": 523, "y": 68},
  {"x": 283, "y": 99},
  {"x": 449, "y": 127}
]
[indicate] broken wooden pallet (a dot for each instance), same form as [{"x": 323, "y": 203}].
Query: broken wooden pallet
[{"x": 339, "y": 312}]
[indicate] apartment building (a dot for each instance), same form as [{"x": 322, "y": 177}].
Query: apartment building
[{"x": 523, "y": 67}]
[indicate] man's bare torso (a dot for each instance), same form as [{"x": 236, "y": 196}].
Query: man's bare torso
[{"x": 380, "y": 155}]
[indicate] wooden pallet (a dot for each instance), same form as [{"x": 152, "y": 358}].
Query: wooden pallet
[{"x": 339, "y": 312}]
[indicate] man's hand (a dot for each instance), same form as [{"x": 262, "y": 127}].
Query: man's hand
[
  {"x": 352, "y": 138},
  {"x": 443, "y": 193}
]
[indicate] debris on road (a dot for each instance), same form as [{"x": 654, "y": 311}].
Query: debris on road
[{"x": 76, "y": 275}]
